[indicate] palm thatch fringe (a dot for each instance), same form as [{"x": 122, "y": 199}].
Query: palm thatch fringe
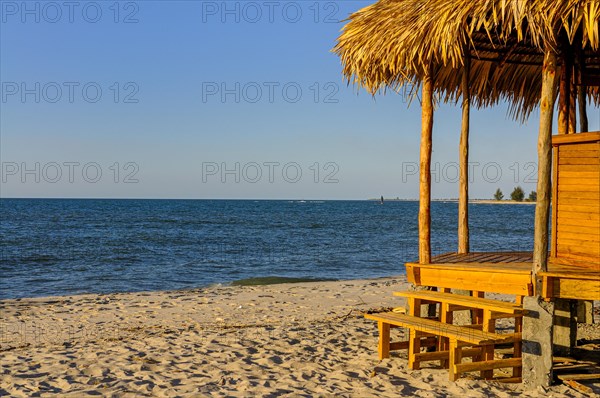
[{"x": 388, "y": 45}]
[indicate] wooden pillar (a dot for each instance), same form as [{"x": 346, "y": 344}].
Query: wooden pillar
[
  {"x": 425, "y": 168},
  {"x": 564, "y": 90},
  {"x": 572, "y": 101},
  {"x": 581, "y": 100},
  {"x": 463, "y": 189},
  {"x": 542, "y": 206},
  {"x": 581, "y": 92}
]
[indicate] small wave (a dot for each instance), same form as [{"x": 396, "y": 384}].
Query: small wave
[{"x": 316, "y": 226}]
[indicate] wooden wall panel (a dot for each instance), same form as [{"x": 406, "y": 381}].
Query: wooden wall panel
[{"x": 576, "y": 223}]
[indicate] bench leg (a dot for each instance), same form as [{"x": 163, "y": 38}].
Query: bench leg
[
  {"x": 455, "y": 357},
  {"x": 414, "y": 339},
  {"x": 518, "y": 371},
  {"x": 384, "y": 340},
  {"x": 414, "y": 347},
  {"x": 477, "y": 314},
  {"x": 489, "y": 325},
  {"x": 445, "y": 317}
]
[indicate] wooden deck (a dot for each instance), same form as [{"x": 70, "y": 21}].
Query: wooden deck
[{"x": 505, "y": 272}]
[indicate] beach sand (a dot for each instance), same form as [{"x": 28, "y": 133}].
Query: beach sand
[{"x": 303, "y": 339}]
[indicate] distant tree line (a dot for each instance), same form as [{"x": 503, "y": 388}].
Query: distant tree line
[{"x": 518, "y": 195}]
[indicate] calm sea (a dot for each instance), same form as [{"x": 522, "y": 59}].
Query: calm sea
[{"x": 64, "y": 246}]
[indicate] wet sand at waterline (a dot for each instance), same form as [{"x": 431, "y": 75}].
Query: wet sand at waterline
[{"x": 302, "y": 339}]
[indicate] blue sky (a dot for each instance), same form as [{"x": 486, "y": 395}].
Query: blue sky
[{"x": 202, "y": 99}]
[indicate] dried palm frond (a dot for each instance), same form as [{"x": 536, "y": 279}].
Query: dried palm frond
[{"x": 389, "y": 44}]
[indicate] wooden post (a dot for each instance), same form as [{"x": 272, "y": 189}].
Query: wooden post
[
  {"x": 565, "y": 91},
  {"x": 581, "y": 93},
  {"x": 581, "y": 100},
  {"x": 425, "y": 168},
  {"x": 463, "y": 189},
  {"x": 542, "y": 206},
  {"x": 572, "y": 101}
]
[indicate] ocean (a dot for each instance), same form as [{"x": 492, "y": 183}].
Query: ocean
[{"x": 71, "y": 246}]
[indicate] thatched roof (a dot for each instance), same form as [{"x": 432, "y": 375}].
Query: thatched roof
[{"x": 388, "y": 45}]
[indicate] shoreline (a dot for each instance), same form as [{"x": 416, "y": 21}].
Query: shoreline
[
  {"x": 471, "y": 201},
  {"x": 269, "y": 280},
  {"x": 294, "y": 339},
  {"x": 500, "y": 202}
]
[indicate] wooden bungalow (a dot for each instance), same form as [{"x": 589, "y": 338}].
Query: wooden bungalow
[{"x": 480, "y": 53}]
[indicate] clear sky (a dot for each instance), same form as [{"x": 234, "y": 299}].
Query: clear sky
[{"x": 203, "y": 99}]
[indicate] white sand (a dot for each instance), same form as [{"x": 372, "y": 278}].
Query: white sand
[{"x": 305, "y": 339}]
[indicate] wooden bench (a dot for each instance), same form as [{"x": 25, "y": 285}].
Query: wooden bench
[
  {"x": 466, "y": 302},
  {"x": 459, "y": 337},
  {"x": 489, "y": 311}
]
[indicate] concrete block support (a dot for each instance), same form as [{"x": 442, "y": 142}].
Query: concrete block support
[{"x": 537, "y": 342}]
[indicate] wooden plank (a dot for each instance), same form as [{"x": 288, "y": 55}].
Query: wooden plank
[
  {"x": 557, "y": 359},
  {"x": 578, "y": 153},
  {"x": 505, "y": 268},
  {"x": 581, "y": 376},
  {"x": 579, "y": 387},
  {"x": 578, "y": 215},
  {"x": 587, "y": 239},
  {"x": 562, "y": 368},
  {"x": 590, "y": 157},
  {"x": 591, "y": 136},
  {"x": 569, "y": 200},
  {"x": 566, "y": 208},
  {"x": 589, "y": 251},
  {"x": 591, "y": 195},
  {"x": 499, "y": 258},
  {"x": 579, "y": 161},
  {"x": 467, "y": 335},
  {"x": 589, "y": 184},
  {"x": 573, "y": 266},
  {"x": 590, "y": 154},
  {"x": 573, "y": 180},
  {"x": 403, "y": 345},
  {"x": 461, "y": 300},
  {"x": 499, "y": 281},
  {"x": 579, "y": 289},
  {"x": 576, "y": 228},
  {"x": 568, "y": 187},
  {"x": 577, "y": 168},
  {"x": 587, "y": 243},
  {"x": 594, "y": 225},
  {"x": 489, "y": 365},
  {"x": 580, "y": 146},
  {"x": 487, "y": 258},
  {"x": 589, "y": 174},
  {"x": 443, "y": 257},
  {"x": 578, "y": 254},
  {"x": 580, "y": 266},
  {"x": 574, "y": 247},
  {"x": 445, "y": 355}
]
